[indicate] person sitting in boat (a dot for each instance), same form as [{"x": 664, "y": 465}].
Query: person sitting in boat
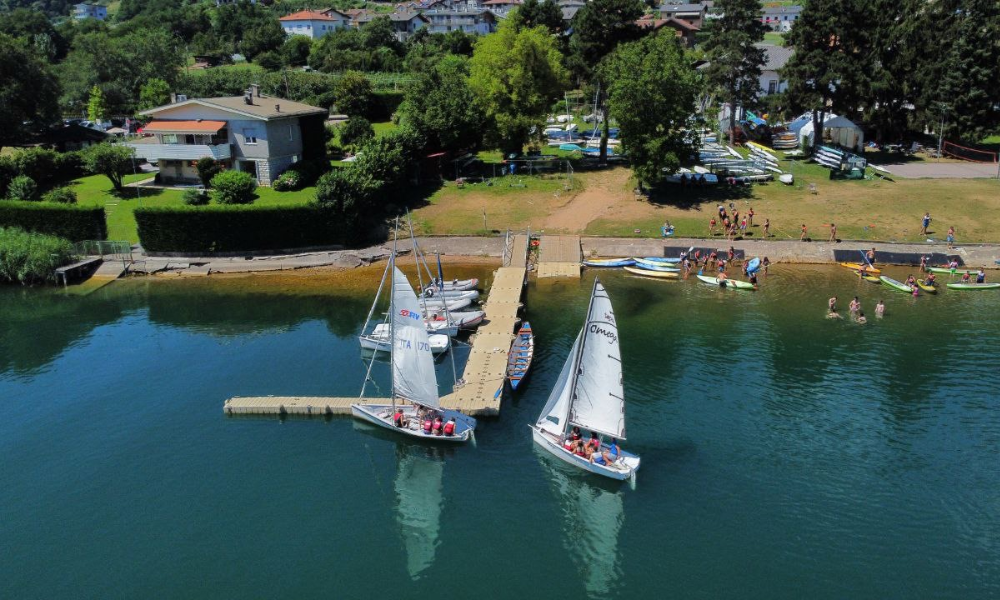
[
  {"x": 428, "y": 424},
  {"x": 438, "y": 426},
  {"x": 580, "y": 449},
  {"x": 609, "y": 456},
  {"x": 429, "y": 292},
  {"x": 981, "y": 276},
  {"x": 449, "y": 427},
  {"x": 398, "y": 418},
  {"x": 967, "y": 278},
  {"x": 575, "y": 434},
  {"x": 930, "y": 280},
  {"x": 594, "y": 443}
]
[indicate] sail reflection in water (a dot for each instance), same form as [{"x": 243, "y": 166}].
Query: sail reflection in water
[
  {"x": 419, "y": 476},
  {"x": 592, "y": 518}
]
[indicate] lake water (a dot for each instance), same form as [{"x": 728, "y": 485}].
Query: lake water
[{"x": 784, "y": 455}]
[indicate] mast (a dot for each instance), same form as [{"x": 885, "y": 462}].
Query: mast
[
  {"x": 392, "y": 323},
  {"x": 371, "y": 363},
  {"x": 579, "y": 355},
  {"x": 423, "y": 300},
  {"x": 377, "y": 295}
]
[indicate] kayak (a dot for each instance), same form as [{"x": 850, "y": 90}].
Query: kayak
[
  {"x": 974, "y": 286},
  {"x": 609, "y": 262},
  {"x": 732, "y": 284},
  {"x": 872, "y": 279},
  {"x": 658, "y": 274},
  {"x": 649, "y": 265},
  {"x": 753, "y": 265},
  {"x": 930, "y": 289},
  {"x": 899, "y": 285},
  {"x": 857, "y": 267},
  {"x": 947, "y": 271},
  {"x": 659, "y": 259}
]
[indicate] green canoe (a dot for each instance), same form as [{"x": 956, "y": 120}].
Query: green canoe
[
  {"x": 732, "y": 284},
  {"x": 974, "y": 286},
  {"x": 899, "y": 285},
  {"x": 947, "y": 271}
]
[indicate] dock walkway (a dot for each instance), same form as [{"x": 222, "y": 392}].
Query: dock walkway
[{"x": 559, "y": 256}]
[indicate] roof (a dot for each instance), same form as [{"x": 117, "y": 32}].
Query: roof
[
  {"x": 198, "y": 126},
  {"x": 71, "y": 133},
  {"x": 682, "y": 8},
  {"x": 403, "y": 15},
  {"x": 501, "y": 2},
  {"x": 677, "y": 24},
  {"x": 307, "y": 15},
  {"x": 775, "y": 57},
  {"x": 782, "y": 10},
  {"x": 263, "y": 107},
  {"x": 568, "y": 12}
]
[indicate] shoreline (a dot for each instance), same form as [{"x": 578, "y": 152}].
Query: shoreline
[{"x": 488, "y": 250}]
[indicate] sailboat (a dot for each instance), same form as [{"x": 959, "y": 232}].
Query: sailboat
[
  {"x": 589, "y": 394},
  {"x": 412, "y": 367}
]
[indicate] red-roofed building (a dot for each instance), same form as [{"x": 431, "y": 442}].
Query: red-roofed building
[
  {"x": 314, "y": 24},
  {"x": 682, "y": 29}
]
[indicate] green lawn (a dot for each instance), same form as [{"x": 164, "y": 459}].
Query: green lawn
[{"x": 774, "y": 38}]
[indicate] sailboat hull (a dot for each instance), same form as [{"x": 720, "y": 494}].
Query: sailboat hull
[
  {"x": 381, "y": 415},
  {"x": 625, "y": 468}
]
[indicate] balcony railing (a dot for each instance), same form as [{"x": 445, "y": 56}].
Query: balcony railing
[{"x": 155, "y": 152}]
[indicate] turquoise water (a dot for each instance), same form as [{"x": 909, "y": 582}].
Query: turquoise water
[{"x": 785, "y": 455}]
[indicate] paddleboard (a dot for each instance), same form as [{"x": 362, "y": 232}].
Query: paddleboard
[
  {"x": 899, "y": 285},
  {"x": 857, "y": 267},
  {"x": 947, "y": 271},
  {"x": 731, "y": 284},
  {"x": 930, "y": 289},
  {"x": 974, "y": 286},
  {"x": 653, "y": 266},
  {"x": 753, "y": 265},
  {"x": 872, "y": 279},
  {"x": 609, "y": 262},
  {"x": 661, "y": 259},
  {"x": 656, "y": 274}
]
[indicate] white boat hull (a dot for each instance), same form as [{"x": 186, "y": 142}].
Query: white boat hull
[
  {"x": 378, "y": 340},
  {"x": 460, "y": 285},
  {"x": 430, "y": 293},
  {"x": 460, "y": 320},
  {"x": 381, "y": 415},
  {"x": 430, "y": 304},
  {"x": 625, "y": 468}
]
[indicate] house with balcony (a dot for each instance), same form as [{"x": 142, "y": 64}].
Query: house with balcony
[
  {"x": 89, "y": 11},
  {"x": 694, "y": 14},
  {"x": 404, "y": 22},
  {"x": 476, "y": 21},
  {"x": 261, "y": 135},
  {"x": 781, "y": 18},
  {"x": 314, "y": 24},
  {"x": 502, "y": 8}
]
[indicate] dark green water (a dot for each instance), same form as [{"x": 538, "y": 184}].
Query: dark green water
[{"x": 785, "y": 455}]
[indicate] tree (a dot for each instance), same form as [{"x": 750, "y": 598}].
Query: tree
[
  {"x": 295, "y": 50},
  {"x": 598, "y": 28},
  {"x": 652, "y": 94},
  {"x": 544, "y": 13},
  {"x": 441, "y": 106},
  {"x": 356, "y": 131},
  {"x": 348, "y": 191},
  {"x": 735, "y": 60},
  {"x": 234, "y": 187},
  {"x": 28, "y": 92},
  {"x": 37, "y": 31},
  {"x": 153, "y": 93},
  {"x": 96, "y": 107},
  {"x": 515, "y": 76},
  {"x": 207, "y": 169},
  {"x": 353, "y": 94},
  {"x": 269, "y": 60},
  {"x": 263, "y": 37},
  {"x": 22, "y": 188},
  {"x": 111, "y": 160}
]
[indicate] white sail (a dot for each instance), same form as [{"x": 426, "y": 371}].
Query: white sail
[
  {"x": 419, "y": 501},
  {"x": 553, "y": 417},
  {"x": 599, "y": 400},
  {"x": 412, "y": 363}
]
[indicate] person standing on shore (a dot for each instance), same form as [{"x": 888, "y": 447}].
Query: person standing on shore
[
  {"x": 833, "y": 232},
  {"x": 802, "y": 236},
  {"x": 925, "y": 223},
  {"x": 767, "y": 228},
  {"x": 750, "y": 217},
  {"x": 951, "y": 237},
  {"x": 765, "y": 264},
  {"x": 711, "y": 227}
]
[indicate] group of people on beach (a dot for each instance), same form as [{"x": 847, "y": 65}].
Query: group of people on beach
[
  {"x": 429, "y": 420},
  {"x": 731, "y": 224},
  {"x": 591, "y": 449}
]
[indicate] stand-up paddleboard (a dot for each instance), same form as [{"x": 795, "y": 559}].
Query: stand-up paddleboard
[
  {"x": 655, "y": 266},
  {"x": 974, "y": 286},
  {"x": 898, "y": 285},
  {"x": 609, "y": 262},
  {"x": 872, "y": 279},
  {"x": 947, "y": 271},
  {"x": 857, "y": 267},
  {"x": 657, "y": 274},
  {"x": 730, "y": 284},
  {"x": 930, "y": 289}
]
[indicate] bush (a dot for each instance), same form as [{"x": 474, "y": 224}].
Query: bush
[
  {"x": 8, "y": 171},
  {"x": 240, "y": 228},
  {"x": 111, "y": 160},
  {"x": 62, "y": 195},
  {"x": 270, "y": 60},
  {"x": 287, "y": 181},
  {"x": 356, "y": 131},
  {"x": 193, "y": 197},
  {"x": 31, "y": 257},
  {"x": 69, "y": 166},
  {"x": 69, "y": 221},
  {"x": 234, "y": 187},
  {"x": 22, "y": 188},
  {"x": 38, "y": 164},
  {"x": 207, "y": 169}
]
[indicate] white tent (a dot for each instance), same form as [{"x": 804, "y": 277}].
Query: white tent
[{"x": 839, "y": 130}]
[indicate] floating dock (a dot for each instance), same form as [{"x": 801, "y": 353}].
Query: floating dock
[
  {"x": 479, "y": 391},
  {"x": 559, "y": 256}
]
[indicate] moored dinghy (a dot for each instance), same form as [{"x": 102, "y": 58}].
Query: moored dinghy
[
  {"x": 414, "y": 385},
  {"x": 522, "y": 350},
  {"x": 589, "y": 395}
]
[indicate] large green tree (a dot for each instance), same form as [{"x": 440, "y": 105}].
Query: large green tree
[
  {"x": 735, "y": 59},
  {"x": 515, "y": 76},
  {"x": 652, "y": 93},
  {"x": 441, "y": 106},
  {"x": 546, "y": 13},
  {"x": 28, "y": 92}
]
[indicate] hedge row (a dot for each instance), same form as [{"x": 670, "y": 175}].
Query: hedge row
[
  {"x": 69, "y": 221},
  {"x": 238, "y": 228}
]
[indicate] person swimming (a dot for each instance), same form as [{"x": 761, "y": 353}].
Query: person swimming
[
  {"x": 880, "y": 309},
  {"x": 861, "y": 318}
]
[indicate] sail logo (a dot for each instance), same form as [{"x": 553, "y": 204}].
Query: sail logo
[
  {"x": 611, "y": 335},
  {"x": 410, "y": 314},
  {"x": 610, "y": 318}
]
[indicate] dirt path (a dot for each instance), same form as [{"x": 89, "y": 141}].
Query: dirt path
[{"x": 604, "y": 191}]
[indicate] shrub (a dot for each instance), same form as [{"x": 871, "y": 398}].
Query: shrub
[
  {"x": 353, "y": 94},
  {"x": 287, "y": 181},
  {"x": 234, "y": 187},
  {"x": 62, "y": 195},
  {"x": 356, "y": 131},
  {"x": 22, "y": 188},
  {"x": 207, "y": 169},
  {"x": 69, "y": 166},
  {"x": 39, "y": 164},
  {"x": 195, "y": 197},
  {"x": 111, "y": 160},
  {"x": 240, "y": 228},
  {"x": 8, "y": 171},
  {"x": 31, "y": 257},
  {"x": 69, "y": 221},
  {"x": 270, "y": 60}
]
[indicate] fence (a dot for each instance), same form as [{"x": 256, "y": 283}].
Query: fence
[{"x": 106, "y": 249}]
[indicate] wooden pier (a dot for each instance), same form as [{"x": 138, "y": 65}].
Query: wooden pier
[
  {"x": 559, "y": 256},
  {"x": 480, "y": 390}
]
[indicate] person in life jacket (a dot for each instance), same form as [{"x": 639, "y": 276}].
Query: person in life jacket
[
  {"x": 398, "y": 419},
  {"x": 449, "y": 427},
  {"x": 427, "y": 424},
  {"x": 437, "y": 426}
]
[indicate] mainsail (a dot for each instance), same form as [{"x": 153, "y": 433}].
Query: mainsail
[
  {"x": 412, "y": 363},
  {"x": 598, "y": 398},
  {"x": 556, "y": 409}
]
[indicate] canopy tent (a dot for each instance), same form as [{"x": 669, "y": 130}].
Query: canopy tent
[{"x": 838, "y": 130}]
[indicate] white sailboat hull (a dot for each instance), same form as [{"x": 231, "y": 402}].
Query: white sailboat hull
[
  {"x": 624, "y": 468},
  {"x": 458, "y": 285},
  {"x": 451, "y": 294},
  {"x": 381, "y": 415},
  {"x": 379, "y": 340},
  {"x": 430, "y": 304}
]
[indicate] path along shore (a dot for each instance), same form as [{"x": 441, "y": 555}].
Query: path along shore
[{"x": 491, "y": 248}]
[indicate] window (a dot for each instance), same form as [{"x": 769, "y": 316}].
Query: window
[
  {"x": 169, "y": 138},
  {"x": 772, "y": 86},
  {"x": 291, "y": 133},
  {"x": 250, "y": 137}
]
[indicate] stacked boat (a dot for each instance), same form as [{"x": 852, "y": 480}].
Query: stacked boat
[{"x": 655, "y": 267}]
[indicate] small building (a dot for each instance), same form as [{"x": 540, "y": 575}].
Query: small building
[
  {"x": 69, "y": 137},
  {"x": 476, "y": 21},
  {"x": 569, "y": 9},
  {"x": 502, "y": 8},
  {"x": 255, "y": 133},
  {"x": 314, "y": 24},
  {"x": 693, "y": 14},
  {"x": 781, "y": 18},
  {"x": 404, "y": 22},
  {"x": 682, "y": 29},
  {"x": 89, "y": 11},
  {"x": 775, "y": 58}
]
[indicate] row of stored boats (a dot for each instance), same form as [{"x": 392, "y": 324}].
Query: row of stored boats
[{"x": 667, "y": 268}]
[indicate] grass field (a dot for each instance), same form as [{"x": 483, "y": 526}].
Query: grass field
[{"x": 774, "y": 38}]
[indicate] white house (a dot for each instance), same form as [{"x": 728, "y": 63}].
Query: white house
[
  {"x": 90, "y": 11},
  {"x": 781, "y": 18},
  {"x": 314, "y": 24},
  {"x": 775, "y": 57},
  {"x": 259, "y": 134},
  {"x": 478, "y": 21}
]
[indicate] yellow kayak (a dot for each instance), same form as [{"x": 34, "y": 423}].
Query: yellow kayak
[
  {"x": 857, "y": 267},
  {"x": 656, "y": 274}
]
